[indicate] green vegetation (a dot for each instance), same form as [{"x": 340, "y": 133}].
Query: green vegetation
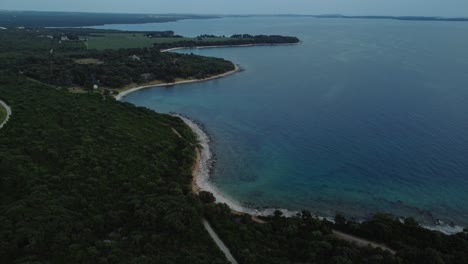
[
  {"x": 414, "y": 243},
  {"x": 234, "y": 40},
  {"x": 304, "y": 239},
  {"x": 124, "y": 41},
  {"x": 116, "y": 69},
  {"x": 86, "y": 179},
  {"x": 43, "y": 55},
  {"x": 69, "y": 57},
  {"x": 287, "y": 240}
]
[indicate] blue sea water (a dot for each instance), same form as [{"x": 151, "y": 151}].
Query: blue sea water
[{"x": 363, "y": 116}]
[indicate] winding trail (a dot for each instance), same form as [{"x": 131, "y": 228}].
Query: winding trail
[
  {"x": 361, "y": 241},
  {"x": 8, "y": 109}
]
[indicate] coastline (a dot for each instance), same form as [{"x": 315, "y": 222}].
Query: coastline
[
  {"x": 123, "y": 94},
  {"x": 230, "y": 46},
  {"x": 202, "y": 175},
  {"x": 204, "y": 163},
  {"x": 201, "y": 182}
]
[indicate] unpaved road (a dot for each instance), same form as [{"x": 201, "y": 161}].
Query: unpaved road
[
  {"x": 361, "y": 242},
  {"x": 218, "y": 242}
]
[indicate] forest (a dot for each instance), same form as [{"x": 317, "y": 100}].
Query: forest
[
  {"x": 307, "y": 239},
  {"x": 60, "y": 57},
  {"x": 234, "y": 40},
  {"x": 87, "y": 179}
]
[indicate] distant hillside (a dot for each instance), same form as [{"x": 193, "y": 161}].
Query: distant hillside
[{"x": 74, "y": 19}]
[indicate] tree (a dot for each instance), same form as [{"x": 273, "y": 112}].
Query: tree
[
  {"x": 207, "y": 197},
  {"x": 277, "y": 213},
  {"x": 340, "y": 220}
]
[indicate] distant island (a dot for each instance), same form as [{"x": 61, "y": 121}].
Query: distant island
[{"x": 406, "y": 18}]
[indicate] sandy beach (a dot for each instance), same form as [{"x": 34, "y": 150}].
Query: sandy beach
[
  {"x": 129, "y": 91},
  {"x": 202, "y": 174}
]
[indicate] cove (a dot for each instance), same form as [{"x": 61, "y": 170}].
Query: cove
[{"x": 363, "y": 116}]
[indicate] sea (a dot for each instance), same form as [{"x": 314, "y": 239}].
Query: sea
[{"x": 363, "y": 116}]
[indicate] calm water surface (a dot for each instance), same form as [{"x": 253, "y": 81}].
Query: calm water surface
[{"x": 363, "y": 116}]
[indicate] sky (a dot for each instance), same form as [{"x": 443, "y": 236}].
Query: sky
[{"x": 448, "y": 8}]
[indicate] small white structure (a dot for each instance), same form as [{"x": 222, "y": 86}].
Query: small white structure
[
  {"x": 135, "y": 57},
  {"x": 95, "y": 87}
]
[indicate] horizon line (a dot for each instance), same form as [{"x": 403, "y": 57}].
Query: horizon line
[{"x": 233, "y": 14}]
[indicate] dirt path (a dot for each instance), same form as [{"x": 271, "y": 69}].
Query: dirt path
[
  {"x": 361, "y": 241},
  {"x": 8, "y": 109},
  {"x": 219, "y": 243}
]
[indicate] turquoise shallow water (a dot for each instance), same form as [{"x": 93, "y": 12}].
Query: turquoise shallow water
[{"x": 363, "y": 116}]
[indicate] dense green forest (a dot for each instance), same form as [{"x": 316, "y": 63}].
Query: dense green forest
[
  {"x": 234, "y": 40},
  {"x": 60, "y": 57},
  {"x": 87, "y": 179},
  {"x": 116, "y": 69},
  {"x": 414, "y": 243},
  {"x": 306, "y": 239}
]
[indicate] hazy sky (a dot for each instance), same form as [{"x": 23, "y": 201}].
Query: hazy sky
[{"x": 347, "y": 7}]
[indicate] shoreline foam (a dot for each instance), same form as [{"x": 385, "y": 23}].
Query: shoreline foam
[{"x": 203, "y": 175}]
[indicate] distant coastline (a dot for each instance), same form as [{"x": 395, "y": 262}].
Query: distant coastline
[{"x": 404, "y": 18}]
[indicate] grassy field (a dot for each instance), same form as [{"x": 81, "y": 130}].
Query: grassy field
[
  {"x": 132, "y": 40},
  {"x": 3, "y": 114}
]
